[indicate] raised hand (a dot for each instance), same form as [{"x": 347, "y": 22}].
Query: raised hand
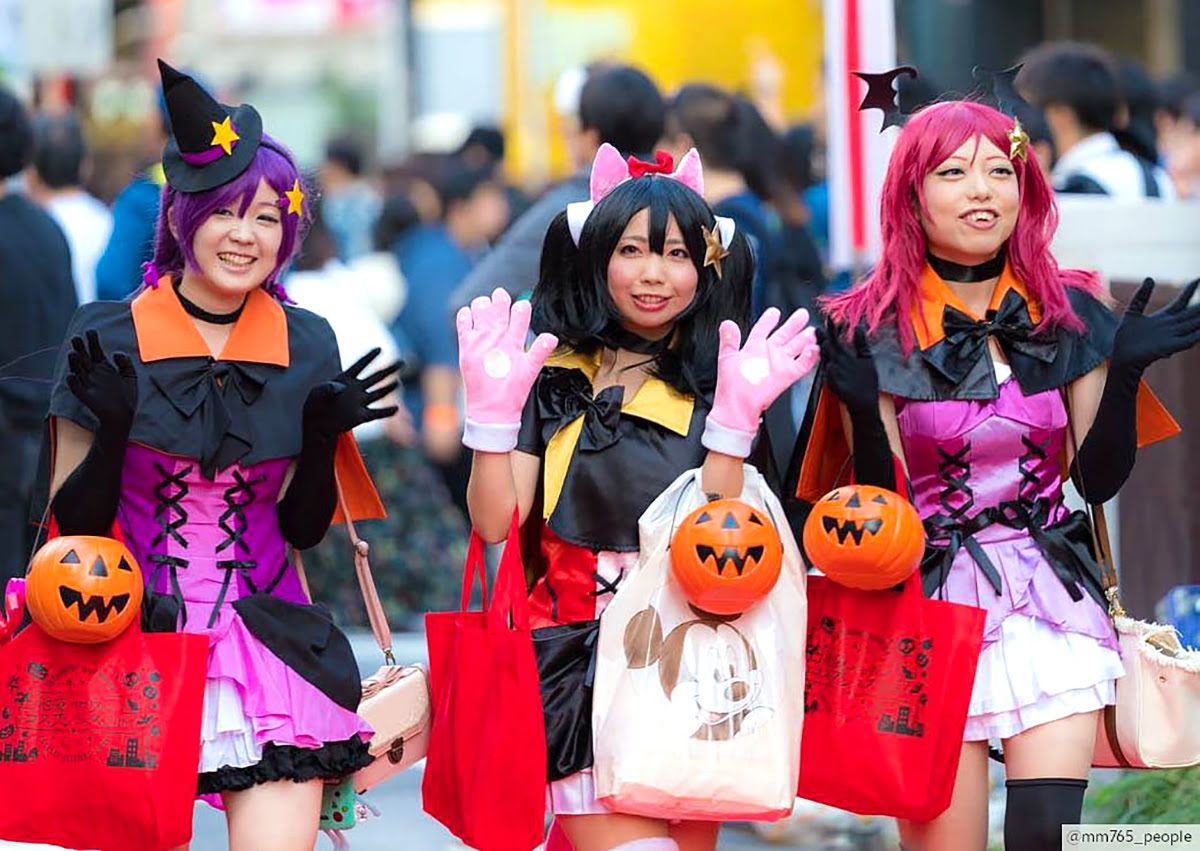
[
  {"x": 345, "y": 402},
  {"x": 850, "y": 371},
  {"x": 751, "y": 376},
  {"x": 107, "y": 387},
  {"x": 497, "y": 371},
  {"x": 1141, "y": 339}
]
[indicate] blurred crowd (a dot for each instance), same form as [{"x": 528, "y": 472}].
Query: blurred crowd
[{"x": 396, "y": 248}]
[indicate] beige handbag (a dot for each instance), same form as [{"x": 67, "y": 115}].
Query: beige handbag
[
  {"x": 395, "y": 699},
  {"x": 1155, "y": 722}
]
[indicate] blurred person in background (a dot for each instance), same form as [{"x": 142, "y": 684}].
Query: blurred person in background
[
  {"x": 1184, "y": 157},
  {"x": 419, "y": 546},
  {"x": 38, "y": 297},
  {"x": 618, "y": 104},
  {"x": 484, "y": 148},
  {"x": 1040, "y": 140},
  {"x": 56, "y": 182},
  {"x": 434, "y": 260},
  {"x": 1137, "y": 134},
  {"x": 1077, "y": 87},
  {"x": 351, "y": 203},
  {"x": 744, "y": 180},
  {"x": 134, "y": 214}
]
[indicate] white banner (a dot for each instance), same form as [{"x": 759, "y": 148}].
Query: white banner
[{"x": 65, "y": 36}]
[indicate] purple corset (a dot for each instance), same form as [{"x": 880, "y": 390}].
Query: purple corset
[
  {"x": 966, "y": 457},
  {"x": 207, "y": 543}
]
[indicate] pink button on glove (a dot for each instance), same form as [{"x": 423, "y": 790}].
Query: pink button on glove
[
  {"x": 497, "y": 372},
  {"x": 751, "y": 377}
]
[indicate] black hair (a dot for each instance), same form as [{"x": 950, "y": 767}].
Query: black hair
[
  {"x": 59, "y": 150},
  {"x": 730, "y": 133},
  {"x": 16, "y": 136},
  {"x": 624, "y": 107},
  {"x": 347, "y": 153},
  {"x": 487, "y": 137},
  {"x": 396, "y": 218},
  {"x": 1082, "y": 77},
  {"x": 455, "y": 181},
  {"x": 1138, "y": 136},
  {"x": 1175, "y": 90},
  {"x": 799, "y": 147},
  {"x": 572, "y": 299}
]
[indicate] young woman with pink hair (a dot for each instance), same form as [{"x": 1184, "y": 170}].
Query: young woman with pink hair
[{"x": 962, "y": 364}]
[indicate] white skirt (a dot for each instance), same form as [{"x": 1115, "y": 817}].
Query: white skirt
[{"x": 1035, "y": 674}]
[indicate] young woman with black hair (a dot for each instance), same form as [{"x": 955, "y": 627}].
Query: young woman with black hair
[{"x": 645, "y": 294}]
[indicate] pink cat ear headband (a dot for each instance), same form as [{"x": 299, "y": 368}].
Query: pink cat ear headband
[{"x": 610, "y": 170}]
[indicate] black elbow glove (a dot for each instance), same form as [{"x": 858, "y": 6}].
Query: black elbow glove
[
  {"x": 851, "y": 376},
  {"x": 330, "y": 409},
  {"x": 1106, "y": 456},
  {"x": 86, "y": 503}
]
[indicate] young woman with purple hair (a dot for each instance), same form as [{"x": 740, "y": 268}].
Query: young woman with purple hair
[
  {"x": 968, "y": 367},
  {"x": 201, "y": 421}
]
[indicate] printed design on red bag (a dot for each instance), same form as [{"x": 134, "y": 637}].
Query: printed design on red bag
[
  {"x": 707, "y": 669},
  {"x": 861, "y": 675},
  {"x": 80, "y": 713}
]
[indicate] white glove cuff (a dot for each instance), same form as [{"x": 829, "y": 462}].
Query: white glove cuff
[
  {"x": 726, "y": 440},
  {"x": 490, "y": 437}
]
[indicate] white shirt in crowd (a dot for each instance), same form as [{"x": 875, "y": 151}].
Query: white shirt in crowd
[
  {"x": 1120, "y": 174},
  {"x": 87, "y": 224}
]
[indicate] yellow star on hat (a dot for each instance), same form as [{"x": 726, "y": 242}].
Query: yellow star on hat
[
  {"x": 224, "y": 135},
  {"x": 295, "y": 197}
]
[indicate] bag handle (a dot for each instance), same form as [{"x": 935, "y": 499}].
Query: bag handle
[
  {"x": 366, "y": 580},
  {"x": 1098, "y": 525},
  {"x": 508, "y": 606}
]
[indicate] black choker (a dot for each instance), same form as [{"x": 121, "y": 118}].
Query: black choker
[
  {"x": 961, "y": 274},
  {"x": 195, "y": 310},
  {"x": 617, "y": 337}
]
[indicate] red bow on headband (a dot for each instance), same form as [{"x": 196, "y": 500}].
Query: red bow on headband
[{"x": 663, "y": 164}]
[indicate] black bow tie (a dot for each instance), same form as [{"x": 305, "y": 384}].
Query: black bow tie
[
  {"x": 966, "y": 338},
  {"x": 205, "y": 386},
  {"x": 564, "y": 394}
]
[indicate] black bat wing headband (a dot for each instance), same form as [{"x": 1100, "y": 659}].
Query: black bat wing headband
[
  {"x": 998, "y": 88},
  {"x": 883, "y": 95}
]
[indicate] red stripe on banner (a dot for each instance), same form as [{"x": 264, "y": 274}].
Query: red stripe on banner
[{"x": 858, "y": 205}]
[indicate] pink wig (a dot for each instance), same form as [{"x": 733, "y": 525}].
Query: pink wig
[{"x": 891, "y": 289}]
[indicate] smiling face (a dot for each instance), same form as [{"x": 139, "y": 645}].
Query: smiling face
[
  {"x": 237, "y": 250},
  {"x": 650, "y": 290},
  {"x": 971, "y": 203}
]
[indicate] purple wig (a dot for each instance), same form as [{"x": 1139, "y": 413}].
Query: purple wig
[{"x": 189, "y": 210}]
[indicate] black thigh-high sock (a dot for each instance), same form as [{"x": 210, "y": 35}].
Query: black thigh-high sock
[{"x": 1037, "y": 809}]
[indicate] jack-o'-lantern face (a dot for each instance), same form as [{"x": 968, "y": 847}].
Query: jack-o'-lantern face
[
  {"x": 83, "y": 589},
  {"x": 726, "y": 556},
  {"x": 864, "y": 537}
]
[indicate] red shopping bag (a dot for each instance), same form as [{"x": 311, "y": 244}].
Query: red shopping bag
[
  {"x": 100, "y": 743},
  {"x": 485, "y": 774},
  {"x": 887, "y": 686}
]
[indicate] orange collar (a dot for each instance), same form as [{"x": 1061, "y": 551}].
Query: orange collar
[
  {"x": 935, "y": 294},
  {"x": 164, "y": 330}
]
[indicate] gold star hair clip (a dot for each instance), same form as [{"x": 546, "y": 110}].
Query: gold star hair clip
[
  {"x": 1018, "y": 141},
  {"x": 295, "y": 197},
  {"x": 714, "y": 251}
]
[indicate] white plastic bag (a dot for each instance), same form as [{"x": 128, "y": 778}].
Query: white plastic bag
[{"x": 696, "y": 716}]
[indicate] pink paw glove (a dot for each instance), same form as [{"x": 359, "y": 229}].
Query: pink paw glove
[
  {"x": 497, "y": 372},
  {"x": 751, "y": 377}
]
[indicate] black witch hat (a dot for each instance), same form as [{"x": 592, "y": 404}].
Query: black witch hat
[{"x": 210, "y": 143}]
